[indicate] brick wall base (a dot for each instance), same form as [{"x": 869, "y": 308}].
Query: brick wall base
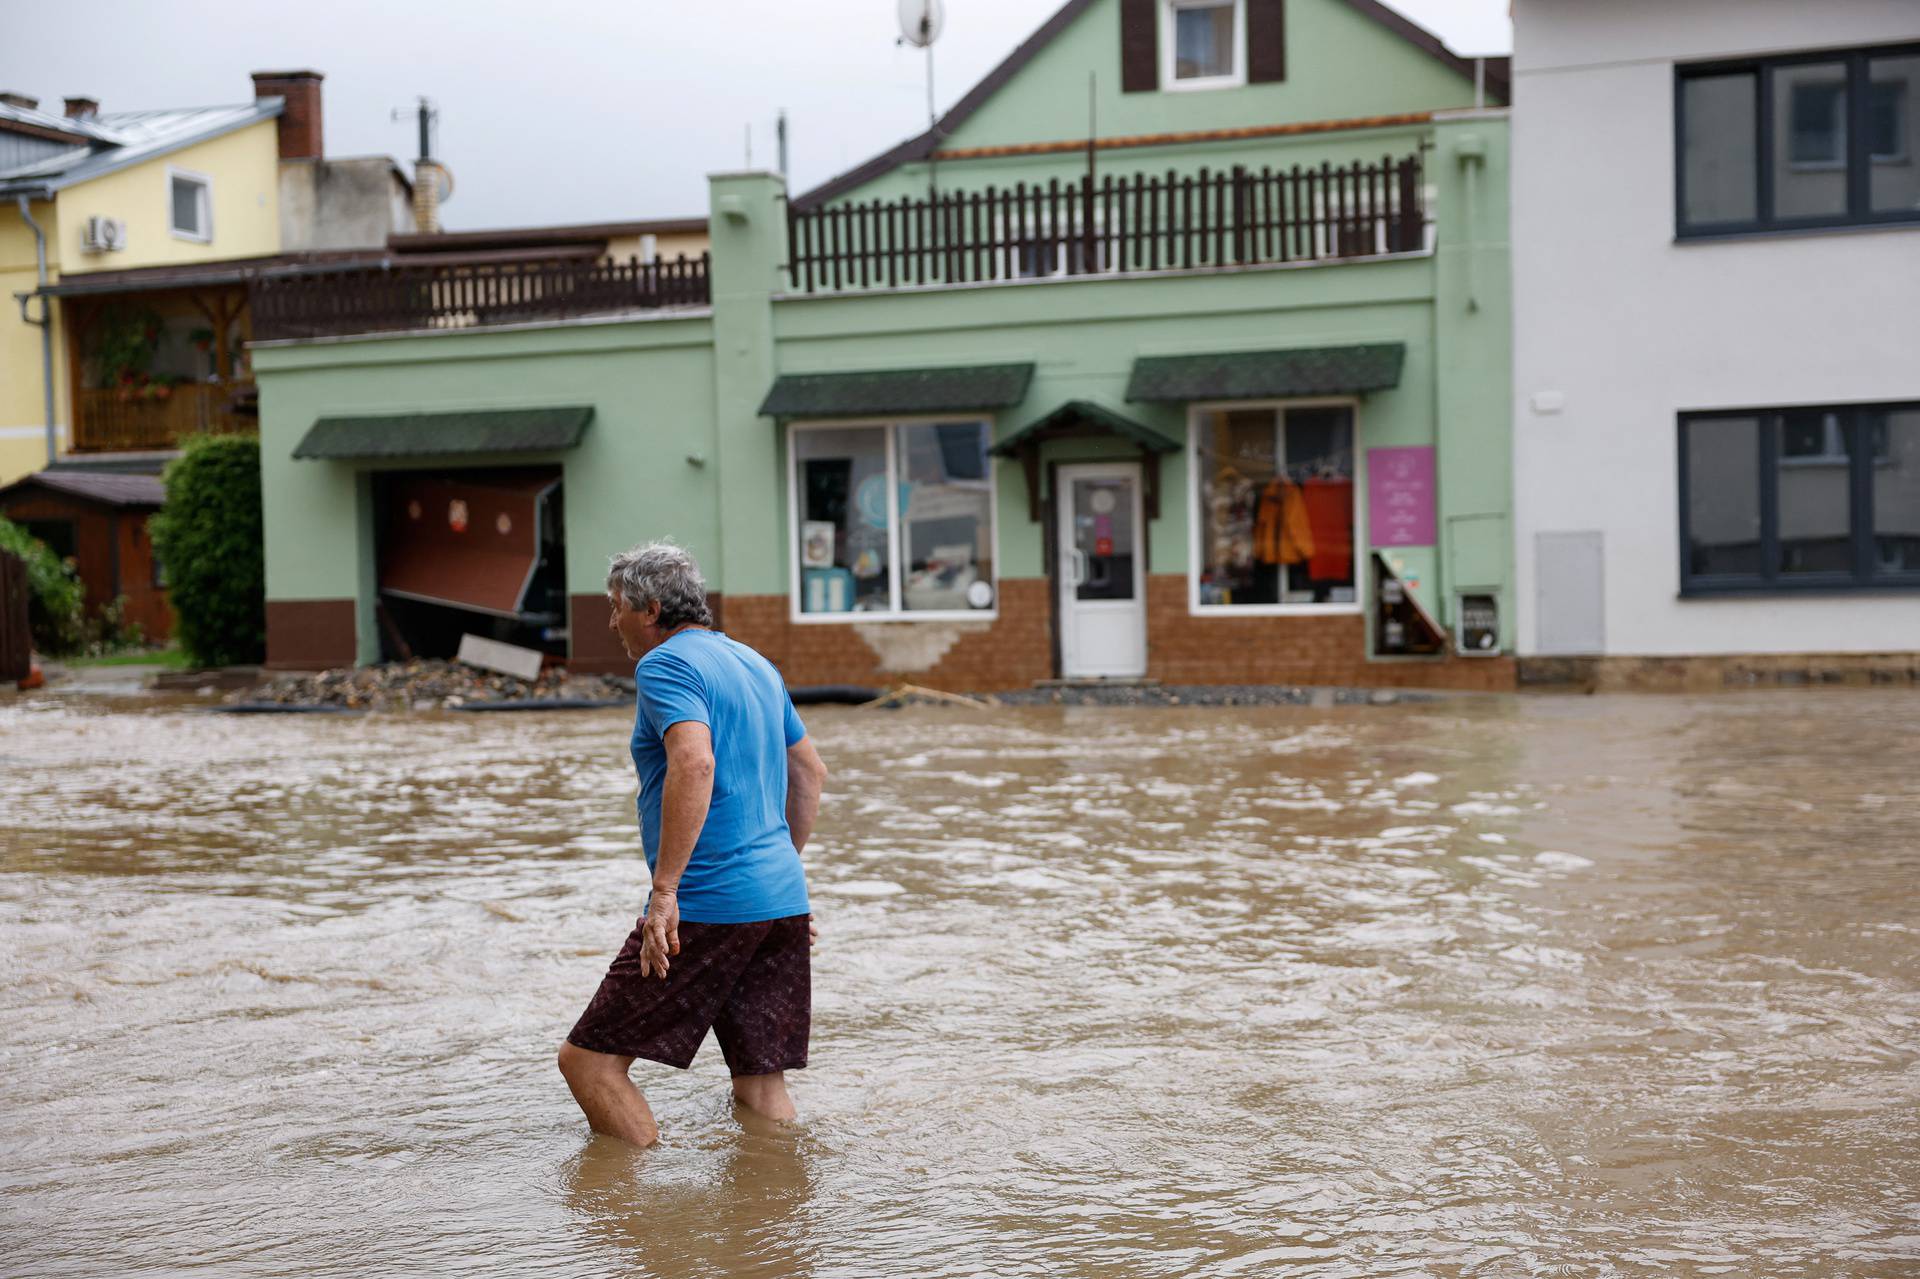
[
  {"x": 1319, "y": 649},
  {"x": 1016, "y": 649},
  {"x": 1011, "y": 651},
  {"x": 1703, "y": 673}
]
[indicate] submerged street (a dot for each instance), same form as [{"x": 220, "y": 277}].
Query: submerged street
[{"x": 1599, "y": 986}]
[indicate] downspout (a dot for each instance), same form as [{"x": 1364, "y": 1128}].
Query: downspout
[{"x": 44, "y": 323}]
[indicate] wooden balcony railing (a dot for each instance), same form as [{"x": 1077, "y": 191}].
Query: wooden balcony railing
[
  {"x": 116, "y": 420},
  {"x": 393, "y": 299},
  {"x": 1130, "y": 222}
]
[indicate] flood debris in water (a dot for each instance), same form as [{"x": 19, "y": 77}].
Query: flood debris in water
[{"x": 432, "y": 685}]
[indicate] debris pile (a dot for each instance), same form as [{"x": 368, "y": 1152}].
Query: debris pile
[
  {"x": 1136, "y": 694},
  {"x": 434, "y": 685}
]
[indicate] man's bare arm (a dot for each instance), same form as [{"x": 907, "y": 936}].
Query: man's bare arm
[
  {"x": 805, "y": 775},
  {"x": 684, "y": 799}
]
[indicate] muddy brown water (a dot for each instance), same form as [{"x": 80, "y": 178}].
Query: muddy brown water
[{"x": 1536, "y": 986}]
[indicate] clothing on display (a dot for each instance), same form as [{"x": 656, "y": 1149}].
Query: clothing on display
[
  {"x": 1327, "y": 509},
  {"x": 1282, "y": 532}
]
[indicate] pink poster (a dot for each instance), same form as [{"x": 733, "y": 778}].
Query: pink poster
[{"x": 1400, "y": 496}]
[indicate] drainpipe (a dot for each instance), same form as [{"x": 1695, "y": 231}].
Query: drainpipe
[{"x": 44, "y": 323}]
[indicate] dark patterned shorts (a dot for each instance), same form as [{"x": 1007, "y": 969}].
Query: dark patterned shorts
[{"x": 750, "y": 983}]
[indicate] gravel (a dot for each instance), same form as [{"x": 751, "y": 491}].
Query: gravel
[{"x": 1209, "y": 695}]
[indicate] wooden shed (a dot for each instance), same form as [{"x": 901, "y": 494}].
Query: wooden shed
[{"x": 98, "y": 519}]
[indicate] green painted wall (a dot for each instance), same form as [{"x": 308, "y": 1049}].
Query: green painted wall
[
  {"x": 1340, "y": 65},
  {"x": 650, "y": 382}
]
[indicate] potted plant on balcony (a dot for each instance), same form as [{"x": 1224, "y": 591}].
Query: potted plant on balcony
[{"x": 127, "y": 338}]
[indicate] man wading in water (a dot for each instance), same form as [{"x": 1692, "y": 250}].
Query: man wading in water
[{"x": 729, "y": 787}]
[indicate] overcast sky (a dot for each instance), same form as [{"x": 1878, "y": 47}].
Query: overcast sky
[{"x": 568, "y": 110}]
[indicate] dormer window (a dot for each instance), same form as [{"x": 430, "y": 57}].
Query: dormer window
[
  {"x": 190, "y": 205},
  {"x": 1201, "y": 44},
  {"x": 1205, "y": 45}
]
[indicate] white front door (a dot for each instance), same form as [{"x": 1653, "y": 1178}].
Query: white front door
[{"x": 1102, "y": 573}]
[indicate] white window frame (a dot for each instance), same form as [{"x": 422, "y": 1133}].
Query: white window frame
[
  {"x": 1360, "y": 550},
  {"x": 895, "y": 583},
  {"x": 1169, "y": 54},
  {"x": 205, "y": 183}
]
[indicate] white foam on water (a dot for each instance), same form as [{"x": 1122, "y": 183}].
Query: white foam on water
[
  {"x": 1417, "y": 779},
  {"x": 861, "y": 888},
  {"x": 1562, "y": 861}
]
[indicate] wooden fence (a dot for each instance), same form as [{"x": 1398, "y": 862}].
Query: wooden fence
[
  {"x": 1130, "y": 222},
  {"x": 16, "y": 641},
  {"x": 390, "y": 299}
]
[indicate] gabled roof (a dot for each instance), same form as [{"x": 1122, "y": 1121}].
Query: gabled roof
[
  {"x": 96, "y": 486},
  {"x": 1084, "y": 417},
  {"x": 922, "y": 145},
  {"x": 104, "y": 143}
]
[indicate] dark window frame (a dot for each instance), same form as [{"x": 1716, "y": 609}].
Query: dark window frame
[
  {"x": 1769, "y": 580},
  {"x": 1858, "y": 159}
]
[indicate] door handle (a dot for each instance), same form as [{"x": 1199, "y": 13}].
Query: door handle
[{"x": 1079, "y": 567}]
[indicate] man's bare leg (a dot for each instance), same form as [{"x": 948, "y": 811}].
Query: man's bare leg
[
  {"x": 765, "y": 1095},
  {"x": 612, "y": 1104}
]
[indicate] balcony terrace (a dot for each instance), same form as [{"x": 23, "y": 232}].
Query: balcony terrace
[
  {"x": 384, "y": 298},
  {"x": 1129, "y": 223}
]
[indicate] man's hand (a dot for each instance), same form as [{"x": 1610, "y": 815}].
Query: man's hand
[
  {"x": 813, "y": 929},
  {"x": 660, "y": 932}
]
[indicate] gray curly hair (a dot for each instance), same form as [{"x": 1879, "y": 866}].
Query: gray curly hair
[{"x": 663, "y": 572}]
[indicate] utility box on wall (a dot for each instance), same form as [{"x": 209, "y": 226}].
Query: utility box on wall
[{"x": 1476, "y": 624}]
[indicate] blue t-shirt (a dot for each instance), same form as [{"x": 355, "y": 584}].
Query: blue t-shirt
[{"x": 744, "y": 866}]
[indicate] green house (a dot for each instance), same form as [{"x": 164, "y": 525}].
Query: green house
[{"x": 1177, "y": 349}]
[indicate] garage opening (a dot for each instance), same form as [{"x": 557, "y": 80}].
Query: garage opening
[{"x": 479, "y": 551}]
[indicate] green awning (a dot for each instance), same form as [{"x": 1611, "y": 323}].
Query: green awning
[
  {"x": 433, "y": 434},
  {"x": 1084, "y": 417},
  {"x": 1261, "y": 375},
  {"x": 950, "y": 390}
]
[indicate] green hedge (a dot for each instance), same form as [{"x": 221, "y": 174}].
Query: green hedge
[
  {"x": 208, "y": 537},
  {"x": 56, "y": 596}
]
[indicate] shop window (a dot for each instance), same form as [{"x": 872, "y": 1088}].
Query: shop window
[
  {"x": 1273, "y": 506},
  {"x": 1204, "y": 44},
  {"x": 893, "y": 519},
  {"x": 1783, "y": 499},
  {"x": 190, "y": 205},
  {"x": 1805, "y": 141}
]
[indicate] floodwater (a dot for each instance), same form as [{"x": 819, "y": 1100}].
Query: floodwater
[{"x": 1490, "y": 986}]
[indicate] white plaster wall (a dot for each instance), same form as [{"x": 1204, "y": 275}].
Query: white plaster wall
[{"x": 1632, "y": 328}]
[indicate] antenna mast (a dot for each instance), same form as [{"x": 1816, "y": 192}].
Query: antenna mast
[{"x": 920, "y": 23}]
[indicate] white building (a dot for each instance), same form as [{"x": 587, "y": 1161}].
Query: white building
[{"x": 1716, "y": 258}]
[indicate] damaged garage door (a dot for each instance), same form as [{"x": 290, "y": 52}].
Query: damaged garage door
[{"x": 485, "y": 541}]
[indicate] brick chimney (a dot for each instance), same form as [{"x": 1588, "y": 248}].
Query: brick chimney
[
  {"x": 20, "y": 100},
  {"x": 300, "y": 121},
  {"x": 82, "y": 108}
]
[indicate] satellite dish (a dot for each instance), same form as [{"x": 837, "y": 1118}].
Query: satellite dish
[{"x": 921, "y": 20}]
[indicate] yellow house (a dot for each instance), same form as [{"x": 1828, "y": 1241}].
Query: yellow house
[{"x": 126, "y": 241}]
